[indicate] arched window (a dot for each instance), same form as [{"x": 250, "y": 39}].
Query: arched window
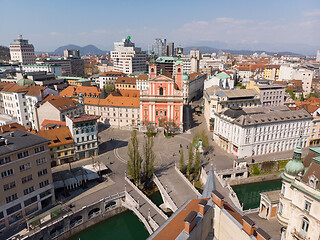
[
  {"x": 161, "y": 91},
  {"x": 304, "y": 225},
  {"x": 179, "y": 69},
  {"x": 152, "y": 69}
]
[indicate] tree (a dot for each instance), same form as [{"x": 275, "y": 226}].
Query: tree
[
  {"x": 149, "y": 158},
  {"x": 197, "y": 163},
  {"x": 181, "y": 161},
  {"x": 134, "y": 163},
  {"x": 109, "y": 87},
  {"x": 190, "y": 160},
  {"x": 291, "y": 93}
]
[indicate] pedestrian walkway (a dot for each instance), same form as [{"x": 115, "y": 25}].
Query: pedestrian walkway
[{"x": 175, "y": 185}]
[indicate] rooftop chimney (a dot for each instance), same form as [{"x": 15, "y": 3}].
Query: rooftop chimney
[
  {"x": 11, "y": 134},
  {"x": 190, "y": 221},
  {"x": 262, "y": 235},
  {"x": 248, "y": 225},
  {"x": 217, "y": 198},
  {"x": 202, "y": 206}
]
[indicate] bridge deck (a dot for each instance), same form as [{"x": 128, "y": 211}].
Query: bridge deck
[
  {"x": 178, "y": 189},
  {"x": 145, "y": 206}
]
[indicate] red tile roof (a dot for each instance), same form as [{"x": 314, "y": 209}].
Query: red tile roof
[{"x": 11, "y": 127}]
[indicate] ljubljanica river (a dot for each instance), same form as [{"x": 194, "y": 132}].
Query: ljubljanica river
[
  {"x": 249, "y": 194},
  {"x": 124, "y": 226}
]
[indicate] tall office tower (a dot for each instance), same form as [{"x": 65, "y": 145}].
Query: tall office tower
[
  {"x": 127, "y": 58},
  {"x": 318, "y": 56},
  {"x": 179, "y": 49},
  {"x": 71, "y": 53},
  {"x": 22, "y": 51},
  {"x": 170, "y": 49},
  {"x": 159, "y": 47}
]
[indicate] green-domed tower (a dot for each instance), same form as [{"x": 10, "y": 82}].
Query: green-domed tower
[
  {"x": 25, "y": 81},
  {"x": 295, "y": 166}
]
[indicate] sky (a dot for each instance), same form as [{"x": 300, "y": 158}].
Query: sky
[{"x": 279, "y": 25}]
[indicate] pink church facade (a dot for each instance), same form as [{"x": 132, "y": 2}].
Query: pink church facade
[{"x": 162, "y": 103}]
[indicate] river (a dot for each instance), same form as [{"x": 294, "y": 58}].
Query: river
[
  {"x": 124, "y": 226},
  {"x": 249, "y": 194}
]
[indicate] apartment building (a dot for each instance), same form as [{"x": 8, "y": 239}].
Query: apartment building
[
  {"x": 271, "y": 71},
  {"x": 193, "y": 85},
  {"x": 61, "y": 145},
  {"x": 249, "y": 131},
  {"x": 127, "y": 58},
  {"x": 55, "y": 107},
  {"x": 126, "y": 83},
  {"x": 270, "y": 94},
  {"x": 84, "y": 130},
  {"x": 142, "y": 82},
  {"x": 49, "y": 68},
  {"x": 20, "y": 101},
  {"x": 109, "y": 77},
  {"x": 120, "y": 109},
  {"x": 22, "y": 51},
  {"x": 25, "y": 176},
  {"x": 299, "y": 205}
]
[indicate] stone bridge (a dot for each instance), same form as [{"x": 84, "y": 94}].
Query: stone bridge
[{"x": 174, "y": 187}]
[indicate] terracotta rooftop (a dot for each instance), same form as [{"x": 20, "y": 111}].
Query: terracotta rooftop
[
  {"x": 86, "y": 91},
  {"x": 30, "y": 90},
  {"x": 143, "y": 77},
  {"x": 176, "y": 225},
  {"x": 308, "y": 159},
  {"x": 61, "y": 102},
  {"x": 194, "y": 75},
  {"x": 126, "y": 80},
  {"x": 58, "y": 136},
  {"x": 11, "y": 127},
  {"x": 51, "y": 124},
  {"x": 84, "y": 118},
  {"x": 112, "y": 74}
]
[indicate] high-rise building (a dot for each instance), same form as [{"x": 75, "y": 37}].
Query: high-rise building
[
  {"x": 159, "y": 47},
  {"x": 170, "y": 49},
  {"x": 22, "y": 51},
  {"x": 179, "y": 49},
  {"x": 71, "y": 53},
  {"x": 127, "y": 58},
  {"x": 318, "y": 56}
]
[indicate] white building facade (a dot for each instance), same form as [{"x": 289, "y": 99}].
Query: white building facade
[
  {"x": 22, "y": 51},
  {"x": 247, "y": 132},
  {"x": 127, "y": 58},
  {"x": 49, "y": 68}
]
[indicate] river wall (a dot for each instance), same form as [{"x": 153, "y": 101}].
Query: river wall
[
  {"x": 73, "y": 222},
  {"x": 254, "y": 179}
]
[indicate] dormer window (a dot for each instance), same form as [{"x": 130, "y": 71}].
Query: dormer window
[
  {"x": 313, "y": 181},
  {"x": 179, "y": 69},
  {"x": 152, "y": 69}
]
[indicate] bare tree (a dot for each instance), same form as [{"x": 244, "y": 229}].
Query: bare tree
[
  {"x": 134, "y": 163},
  {"x": 149, "y": 158}
]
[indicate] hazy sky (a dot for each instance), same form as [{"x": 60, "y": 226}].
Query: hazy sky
[{"x": 50, "y": 24}]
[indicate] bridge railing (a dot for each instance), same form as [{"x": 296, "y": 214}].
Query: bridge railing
[
  {"x": 139, "y": 215},
  {"x": 146, "y": 198},
  {"x": 166, "y": 196}
]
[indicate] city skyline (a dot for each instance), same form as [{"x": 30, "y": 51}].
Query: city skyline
[{"x": 276, "y": 26}]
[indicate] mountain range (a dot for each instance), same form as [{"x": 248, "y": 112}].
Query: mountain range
[
  {"x": 206, "y": 49},
  {"x": 4, "y": 52},
  {"x": 93, "y": 50},
  {"x": 86, "y": 50}
]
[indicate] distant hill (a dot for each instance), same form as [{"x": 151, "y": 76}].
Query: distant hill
[
  {"x": 4, "y": 52},
  {"x": 206, "y": 49},
  {"x": 89, "y": 49}
]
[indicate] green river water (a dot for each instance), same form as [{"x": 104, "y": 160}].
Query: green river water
[
  {"x": 249, "y": 194},
  {"x": 125, "y": 225}
]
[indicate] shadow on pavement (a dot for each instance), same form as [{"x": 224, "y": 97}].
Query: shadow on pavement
[{"x": 111, "y": 145}]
